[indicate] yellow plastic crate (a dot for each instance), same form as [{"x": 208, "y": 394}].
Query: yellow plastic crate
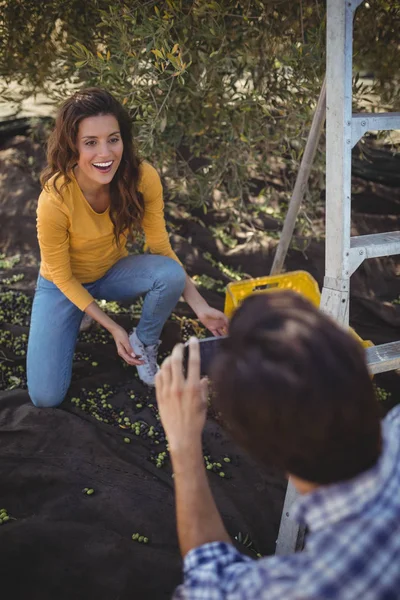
[
  {"x": 299, "y": 281},
  {"x": 365, "y": 343}
]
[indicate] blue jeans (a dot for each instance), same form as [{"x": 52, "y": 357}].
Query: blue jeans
[{"x": 55, "y": 320}]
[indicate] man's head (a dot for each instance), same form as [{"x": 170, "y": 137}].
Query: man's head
[{"x": 294, "y": 390}]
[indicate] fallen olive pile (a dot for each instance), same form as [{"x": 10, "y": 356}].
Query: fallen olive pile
[
  {"x": 97, "y": 403},
  {"x": 209, "y": 283},
  {"x": 94, "y": 402},
  {"x": 235, "y": 275},
  {"x": 140, "y": 538},
  {"x": 8, "y": 262},
  {"x": 159, "y": 458},
  {"x": 16, "y": 344},
  {"x": 12, "y": 279},
  {"x": 216, "y": 466},
  {"x": 96, "y": 336},
  {"x": 381, "y": 394},
  {"x": 12, "y": 376},
  {"x": 190, "y": 327},
  {"x": 82, "y": 356},
  {"x": 4, "y": 516},
  {"x": 15, "y": 308}
]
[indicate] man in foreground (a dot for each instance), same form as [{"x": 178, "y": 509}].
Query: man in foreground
[{"x": 294, "y": 391}]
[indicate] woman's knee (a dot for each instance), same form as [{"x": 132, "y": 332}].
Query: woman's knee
[
  {"x": 46, "y": 398},
  {"x": 174, "y": 276}
]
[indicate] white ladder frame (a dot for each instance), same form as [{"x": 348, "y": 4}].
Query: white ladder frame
[
  {"x": 343, "y": 253},
  {"x": 339, "y": 137}
]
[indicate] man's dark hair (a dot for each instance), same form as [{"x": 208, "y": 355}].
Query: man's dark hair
[{"x": 294, "y": 390}]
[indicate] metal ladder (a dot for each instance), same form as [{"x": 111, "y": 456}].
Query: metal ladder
[{"x": 344, "y": 254}]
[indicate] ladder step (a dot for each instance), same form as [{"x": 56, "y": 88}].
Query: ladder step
[
  {"x": 363, "y": 122},
  {"x": 376, "y": 244},
  {"x": 385, "y": 357}
]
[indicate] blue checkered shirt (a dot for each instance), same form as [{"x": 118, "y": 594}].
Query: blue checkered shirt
[{"x": 352, "y": 550}]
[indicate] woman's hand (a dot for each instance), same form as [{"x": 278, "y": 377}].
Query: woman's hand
[
  {"x": 124, "y": 347},
  {"x": 119, "y": 334},
  {"x": 182, "y": 402},
  {"x": 214, "y": 320}
]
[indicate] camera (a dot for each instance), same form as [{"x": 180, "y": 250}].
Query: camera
[{"x": 209, "y": 348}]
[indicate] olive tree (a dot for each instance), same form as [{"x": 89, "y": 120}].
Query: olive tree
[{"x": 221, "y": 92}]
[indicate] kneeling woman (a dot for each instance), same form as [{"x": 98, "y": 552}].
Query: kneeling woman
[{"x": 96, "y": 194}]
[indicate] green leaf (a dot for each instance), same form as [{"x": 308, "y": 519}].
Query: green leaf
[{"x": 157, "y": 53}]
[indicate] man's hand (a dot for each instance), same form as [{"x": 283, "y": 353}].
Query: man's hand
[
  {"x": 182, "y": 402},
  {"x": 214, "y": 320},
  {"x": 183, "y": 406}
]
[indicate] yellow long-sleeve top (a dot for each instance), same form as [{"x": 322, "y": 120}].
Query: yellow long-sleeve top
[{"x": 77, "y": 244}]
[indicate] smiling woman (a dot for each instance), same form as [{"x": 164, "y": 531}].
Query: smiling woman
[
  {"x": 99, "y": 158},
  {"x": 103, "y": 151},
  {"x": 96, "y": 194},
  {"x": 93, "y": 127}
]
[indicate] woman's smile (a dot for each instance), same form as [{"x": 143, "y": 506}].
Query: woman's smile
[{"x": 100, "y": 150}]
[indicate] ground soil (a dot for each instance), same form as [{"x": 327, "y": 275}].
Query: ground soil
[{"x": 66, "y": 544}]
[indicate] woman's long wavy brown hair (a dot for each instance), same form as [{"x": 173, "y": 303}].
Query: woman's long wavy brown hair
[{"x": 127, "y": 205}]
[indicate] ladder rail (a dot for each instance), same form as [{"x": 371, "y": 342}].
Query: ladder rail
[
  {"x": 335, "y": 294},
  {"x": 375, "y": 245},
  {"x": 383, "y": 358},
  {"x": 339, "y": 69},
  {"x": 290, "y": 536},
  {"x": 363, "y": 122},
  {"x": 344, "y": 253}
]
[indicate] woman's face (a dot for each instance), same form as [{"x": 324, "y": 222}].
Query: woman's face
[{"x": 100, "y": 148}]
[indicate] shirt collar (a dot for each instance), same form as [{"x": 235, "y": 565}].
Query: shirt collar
[{"x": 332, "y": 503}]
